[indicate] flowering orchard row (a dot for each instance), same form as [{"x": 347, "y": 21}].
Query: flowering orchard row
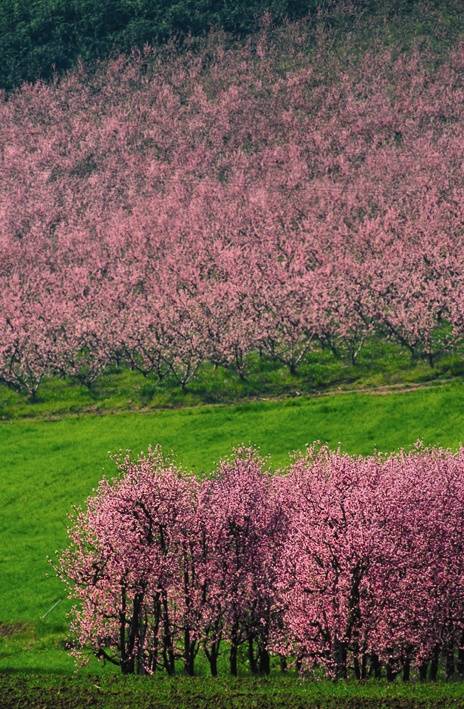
[
  {"x": 174, "y": 208},
  {"x": 351, "y": 566}
]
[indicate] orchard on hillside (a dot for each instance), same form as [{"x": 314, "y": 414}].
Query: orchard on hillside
[{"x": 171, "y": 209}]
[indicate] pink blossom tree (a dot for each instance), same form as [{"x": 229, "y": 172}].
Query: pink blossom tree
[
  {"x": 130, "y": 566},
  {"x": 242, "y": 526}
]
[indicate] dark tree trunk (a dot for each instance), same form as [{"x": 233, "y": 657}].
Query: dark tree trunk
[
  {"x": 213, "y": 666},
  {"x": 406, "y": 670},
  {"x": 141, "y": 666},
  {"x": 233, "y": 660},
  {"x": 460, "y": 666},
  {"x": 376, "y": 668},
  {"x": 353, "y": 357},
  {"x": 293, "y": 368},
  {"x": 340, "y": 657},
  {"x": 168, "y": 648},
  {"x": 364, "y": 666},
  {"x": 212, "y": 654},
  {"x": 434, "y": 664},
  {"x": 252, "y": 657},
  {"x": 153, "y": 658},
  {"x": 189, "y": 654},
  {"x": 264, "y": 662},
  {"x": 450, "y": 664},
  {"x": 127, "y": 666},
  {"x": 357, "y": 667},
  {"x": 423, "y": 671}
]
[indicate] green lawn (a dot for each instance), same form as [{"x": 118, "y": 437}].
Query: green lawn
[{"x": 50, "y": 465}]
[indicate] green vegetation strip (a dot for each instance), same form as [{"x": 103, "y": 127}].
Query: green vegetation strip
[{"x": 159, "y": 693}]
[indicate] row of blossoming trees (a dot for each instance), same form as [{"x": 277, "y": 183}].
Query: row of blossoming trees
[
  {"x": 174, "y": 208},
  {"x": 348, "y": 566}
]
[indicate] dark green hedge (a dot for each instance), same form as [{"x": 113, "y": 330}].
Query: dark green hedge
[{"x": 38, "y": 37}]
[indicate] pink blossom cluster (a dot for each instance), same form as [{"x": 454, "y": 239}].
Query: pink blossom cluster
[
  {"x": 175, "y": 208},
  {"x": 353, "y": 567}
]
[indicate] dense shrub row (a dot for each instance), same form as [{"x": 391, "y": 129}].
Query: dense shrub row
[
  {"x": 176, "y": 208},
  {"x": 346, "y": 566}
]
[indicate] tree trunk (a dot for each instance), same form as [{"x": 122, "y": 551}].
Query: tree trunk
[
  {"x": 127, "y": 666},
  {"x": 189, "y": 654},
  {"x": 153, "y": 656},
  {"x": 141, "y": 666},
  {"x": 168, "y": 649},
  {"x": 233, "y": 660},
  {"x": 376, "y": 669},
  {"x": 32, "y": 398},
  {"x": 357, "y": 667},
  {"x": 364, "y": 666},
  {"x": 264, "y": 662},
  {"x": 461, "y": 661},
  {"x": 340, "y": 657},
  {"x": 450, "y": 664},
  {"x": 213, "y": 666},
  {"x": 434, "y": 664},
  {"x": 423, "y": 671},
  {"x": 293, "y": 369},
  {"x": 406, "y": 670},
  {"x": 212, "y": 654},
  {"x": 252, "y": 657}
]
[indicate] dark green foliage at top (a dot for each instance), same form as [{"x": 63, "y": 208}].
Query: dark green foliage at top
[{"x": 38, "y": 37}]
